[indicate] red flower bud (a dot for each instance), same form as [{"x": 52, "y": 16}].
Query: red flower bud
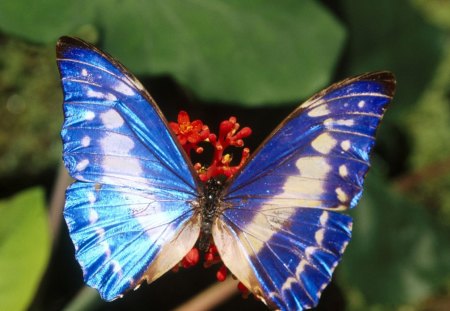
[
  {"x": 221, "y": 274},
  {"x": 244, "y": 290},
  {"x": 191, "y": 259}
]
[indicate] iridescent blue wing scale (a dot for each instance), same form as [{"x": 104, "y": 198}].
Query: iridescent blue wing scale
[
  {"x": 280, "y": 231},
  {"x": 129, "y": 212}
]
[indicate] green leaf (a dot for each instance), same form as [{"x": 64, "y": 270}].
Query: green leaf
[
  {"x": 24, "y": 248},
  {"x": 398, "y": 254},
  {"x": 248, "y": 52},
  {"x": 230, "y": 51},
  {"x": 43, "y": 20}
]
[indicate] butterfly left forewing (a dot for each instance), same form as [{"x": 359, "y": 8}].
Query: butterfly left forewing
[
  {"x": 280, "y": 211},
  {"x": 113, "y": 131}
]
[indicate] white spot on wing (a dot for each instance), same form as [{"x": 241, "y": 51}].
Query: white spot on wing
[
  {"x": 361, "y": 104},
  {"x": 328, "y": 121},
  {"x": 93, "y": 216},
  {"x": 100, "y": 232},
  {"x": 316, "y": 167},
  {"x": 116, "y": 266},
  {"x": 111, "y": 97},
  {"x": 344, "y": 246},
  {"x": 84, "y": 72},
  {"x": 319, "y": 235},
  {"x": 345, "y": 145},
  {"x": 319, "y": 109},
  {"x": 85, "y": 141},
  {"x": 300, "y": 268},
  {"x": 119, "y": 160},
  {"x": 308, "y": 184},
  {"x": 324, "y": 218},
  {"x": 111, "y": 119},
  {"x": 341, "y": 195},
  {"x": 348, "y": 122},
  {"x": 343, "y": 170},
  {"x": 138, "y": 84},
  {"x": 310, "y": 250},
  {"x": 101, "y": 235},
  {"x": 291, "y": 280},
  {"x": 106, "y": 248},
  {"x": 127, "y": 167},
  {"x": 82, "y": 164},
  {"x": 287, "y": 284},
  {"x": 91, "y": 197},
  {"x": 100, "y": 95},
  {"x": 324, "y": 143},
  {"x": 123, "y": 88},
  {"x": 331, "y": 121},
  {"x": 115, "y": 144},
  {"x": 89, "y": 115}
]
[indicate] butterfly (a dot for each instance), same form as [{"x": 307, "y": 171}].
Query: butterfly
[{"x": 137, "y": 205}]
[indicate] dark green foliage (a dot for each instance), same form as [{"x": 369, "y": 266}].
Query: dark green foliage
[
  {"x": 399, "y": 254},
  {"x": 30, "y": 108}
]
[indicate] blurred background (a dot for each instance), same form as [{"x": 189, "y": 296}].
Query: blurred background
[{"x": 256, "y": 60}]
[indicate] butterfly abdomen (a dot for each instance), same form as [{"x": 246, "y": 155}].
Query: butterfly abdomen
[{"x": 209, "y": 206}]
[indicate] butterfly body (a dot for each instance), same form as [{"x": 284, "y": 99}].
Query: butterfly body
[
  {"x": 210, "y": 204},
  {"x": 137, "y": 206}
]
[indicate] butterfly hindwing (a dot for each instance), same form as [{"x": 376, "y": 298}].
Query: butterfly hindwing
[
  {"x": 280, "y": 232},
  {"x": 285, "y": 256},
  {"x": 124, "y": 235},
  {"x": 129, "y": 213}
]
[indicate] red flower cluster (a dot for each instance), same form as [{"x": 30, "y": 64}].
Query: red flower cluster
[{"x": 190, "y": 134}]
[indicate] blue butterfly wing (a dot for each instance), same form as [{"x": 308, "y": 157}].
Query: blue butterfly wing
[
  {"x": 113, "y": 130},
  {"x": 280, "y": 232},
  {"x": 129, "y": 212},
  {"x": 123, "y": 236}
]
